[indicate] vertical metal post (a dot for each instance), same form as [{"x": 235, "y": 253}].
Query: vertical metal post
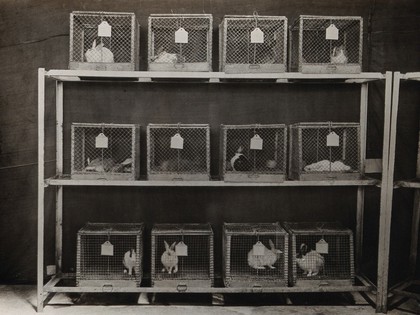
[
  {"x": 361, "y": 189},
  {"x": 386, "y": 196},
  {"x": 40, "y": 245},
  {"x": 59, "y": 172}
]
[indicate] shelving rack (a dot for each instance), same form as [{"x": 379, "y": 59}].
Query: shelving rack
[
  {"x": 59, "y": 181},
  {"x": 401, "y": 288}
]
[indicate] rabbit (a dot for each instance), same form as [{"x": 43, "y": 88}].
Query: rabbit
[
  {"x": 339, "y": 55},
  {"x": 129, "y": 261},
  {"x": 240, "y": 162},
  {"x": 268, "y": 259},
  {"x": 169, "y": 259},
  {"x": 311, "y": 263},
  {"x": 100, "y": 165},
  {"x": 99, "y": 53}
]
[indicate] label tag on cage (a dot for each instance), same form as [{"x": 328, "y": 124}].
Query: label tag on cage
[
  {"x": 177, "y": 142},
  {"x": 333, "y": 139},
  {"x": 257, "y": 36},
  {"x": 104, "y": 29},
  {"x": 331, "y": 32},
  {"x": 258, "y": 249},
  {"x": 322, "y": 246},
  {"x": 181, "y": 249},
  {"x": 181, "y": 36},
  {"x": 256, "y": 142},
  {"x": 107, "y": 249},
  {"x": 101, "y": 141}
]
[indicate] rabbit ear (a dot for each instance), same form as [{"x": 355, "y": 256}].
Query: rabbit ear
[
  {"x": 303, "y": 248},
  {"x": 166, "y": 245},
  {"x": 94, "y": 44},
  {"x": 271, "y": 244},
  {"x": 173, "y": 245}
]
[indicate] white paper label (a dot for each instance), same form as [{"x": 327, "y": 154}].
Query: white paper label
[
  {"x": 181, "y": 36},
  {"x": 331, "y": 32},
  {"x": 256, "y": 143},
  {"x": 257, "y": 36},
  {"x": 177, "y": 142},
  {"x": 258, "y": 249},
  {"x": 181, "y": 249},
  {"x": 101, "y": 141},
  {"x": 107, "y": 249},
  {"x": 322, "y": 246},
  {"x": 333, "y": 139},
  {"x": 104, "y": 29}
]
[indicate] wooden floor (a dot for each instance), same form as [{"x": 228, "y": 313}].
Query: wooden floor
[{"x": 21, "y": 300}]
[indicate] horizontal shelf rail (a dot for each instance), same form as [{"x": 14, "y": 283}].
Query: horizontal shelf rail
[
  {"x": 52, "y": 286},
  {"x": 211, "y": 77},
  {"x": 210, "y": 183}
]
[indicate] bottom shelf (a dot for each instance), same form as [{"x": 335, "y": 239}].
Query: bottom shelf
[{"x": 67, "y": 283}]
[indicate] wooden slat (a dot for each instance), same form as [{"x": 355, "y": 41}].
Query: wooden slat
[
  {"x": 156, "y": 183},
  {"x": 41, "y": 139}
]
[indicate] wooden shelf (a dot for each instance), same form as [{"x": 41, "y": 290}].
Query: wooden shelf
[
  {"x": 211, "y": 183},
  {"x": 413, "y": 183},
  {"x": 53, "y": 287},
  {"x": 210, "y": 77}
]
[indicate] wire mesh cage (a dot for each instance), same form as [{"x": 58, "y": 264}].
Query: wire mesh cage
[
  {"x": 252, "y": 44},
  {"x": 182, "y": 256},
  {"x": 105, "y": 151},
  {"x": 321, "y": 254},
  {"x": 255, "y": 255},
  {"x": 326, "y": 44},
  {"x": 109, "y": 254},
  {"x": 178, "y": 151},
  {"x": 104, "y": 41},
  {"x": 324, "y": 151},
  {"x": 254, "y": 153},
  {"x": 180, "y": 42}
]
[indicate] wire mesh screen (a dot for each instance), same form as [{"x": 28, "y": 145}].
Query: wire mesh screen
[
  {"x": 255, "y": 255},
  {"x": 254, "y": 152},
  {"x": 242, "y": 50},
  {"x": 108, "y": 151},
  {"x": 322, "y": 253},
  {"x": 327, "y": 44},
  {"x": 173, "y": 265},
  {"x": 180, "y": 42},
  {"x": 178, "y": 151},
  {"x": 90, "y": 48},
  {"x": 97, "y": 264},
  {"x": 325, "y": 151}
]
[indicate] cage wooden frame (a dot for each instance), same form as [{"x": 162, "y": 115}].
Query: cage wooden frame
[
  {"x": 266, "y": 174},
  {"x": 199, "y": 264},
  {"x": 116, "y": 233},
  {"x": 181, "y": 19},
  {"x": 254, "y": 278},
  {"x": 297, "y": 61},
  {"x": 321, "y": 230},
  {"x": 267, "y": 23},
  {"x": 199, "y": 173},
  {"x": 133, "y": 152},
  {"x": 131, "y": 43},
  {"x": 296, "y": 155}
]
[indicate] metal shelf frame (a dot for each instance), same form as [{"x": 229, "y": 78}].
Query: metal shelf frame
[
  {"x": 60, "y": 76},
  {"x": 399, "y": 289}
]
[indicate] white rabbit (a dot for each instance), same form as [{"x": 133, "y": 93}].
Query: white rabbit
[
  {"x": 311, "y": 263},
  {"x": 268, "y": 258},
  {"x": 339, "y": 55},
  {"x": 169, "y": 259},
  {"x": 129, "y": 261},
  {"x": 99, "y": 53}
]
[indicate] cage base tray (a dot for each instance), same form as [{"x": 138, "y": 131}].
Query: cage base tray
[
  {"x": 102, "y": 66},
  {"x": 180, "y": 177},
  {"x": 254, "y": 178},
  {"x": 188, "y": 67},
  {"x": 330, "y": 68},
  {"x": 104, "y": 176},
  {"x": 255, "y": 284},
  {"x": 108, "y": 283},
  {"x": 327, "y": 176},
  {"x": 321, "y": 283},
  {"x": 254, "y": 68},
  {"x": 182, "y": 285}
]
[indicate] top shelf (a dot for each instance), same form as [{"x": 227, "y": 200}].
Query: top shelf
[{"x": 209, "y": 77}]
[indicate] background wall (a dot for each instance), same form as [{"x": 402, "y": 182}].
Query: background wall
[{"x": 34, "y": 34}]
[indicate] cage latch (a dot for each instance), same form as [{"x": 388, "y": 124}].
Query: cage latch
[
  {"x": 254, "y": 66},
  {"x": 107, "y": 288},
  {"x": 332, "y": 68},
  {"x": 256, "y": 288},
  {"x": 324, "y": 284},
  {"x": 182, "y": 287}
]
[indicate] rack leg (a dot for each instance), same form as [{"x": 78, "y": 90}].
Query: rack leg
[{"x": 359, "y": 227}]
